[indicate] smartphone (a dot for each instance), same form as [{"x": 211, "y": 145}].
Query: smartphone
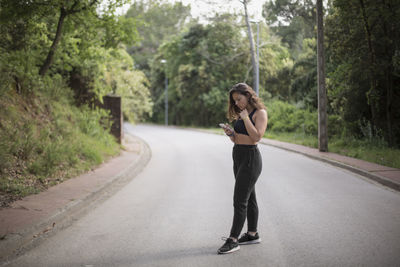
[{"x": 224, "y": 126}]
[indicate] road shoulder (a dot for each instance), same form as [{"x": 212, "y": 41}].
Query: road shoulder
[
  {"x": 29, "y": 220},
  {"x": 386, "y": 176}
]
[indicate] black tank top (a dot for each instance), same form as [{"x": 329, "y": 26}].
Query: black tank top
[{"x": 239, "y": 126}]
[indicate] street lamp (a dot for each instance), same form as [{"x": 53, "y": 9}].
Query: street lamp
[
  {"x": 258, "y": 55},
  {"x": 163, "y": 61}
]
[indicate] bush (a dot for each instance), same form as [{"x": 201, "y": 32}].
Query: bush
[
  {"x": 285, "y": 117},
  {"x": 44, "y": 141}
]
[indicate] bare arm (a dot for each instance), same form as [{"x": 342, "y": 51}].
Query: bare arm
[{"x": 256, "y": 132}]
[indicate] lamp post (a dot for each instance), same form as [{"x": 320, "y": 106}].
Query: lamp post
[
  {"x": 163, "y": 61},
  {"x": 258, "y": 55}
]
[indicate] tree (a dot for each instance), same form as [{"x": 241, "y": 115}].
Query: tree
[
  {"x": 364, "y": 84},
  {"x": 322, "y": 101},
  {"x": 157, "y": 21},
  {"x": 66, "y": 9},
  {"x": 88, "y": 56},
  {"x": 293, "y": 20},
  {"x": 303, "y": 86},
  {"x": 31, "y": 9},
  {"x": 130, "y": 84},
  {"x": 203, "y": 64}
]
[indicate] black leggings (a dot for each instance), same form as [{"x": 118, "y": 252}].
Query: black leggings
[{"x": 247, "y": 165}]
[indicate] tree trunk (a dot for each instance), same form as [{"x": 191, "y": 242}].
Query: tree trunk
[
  {"x": 322, "y": 100},
  {"x": 389, "y": 99},
  {"x": 390, "y": 32},
  {"x": 49, "y": 60},
  {"x": 372, "y": 93},
  {"x": 252, "y": 48}
]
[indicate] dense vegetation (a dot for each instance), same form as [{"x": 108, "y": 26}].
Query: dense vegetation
[
  {"x": 58, "y": 59},
  {"x": 362, "y": 62}
]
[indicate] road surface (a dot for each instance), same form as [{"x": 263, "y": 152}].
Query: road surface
[{"x": 175, "y": 212}]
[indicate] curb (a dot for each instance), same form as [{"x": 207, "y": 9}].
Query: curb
[
  {"x": 16, "y": 244},
  {"x": 377, "y": 178},
  {"x": 369, "y": 175}
]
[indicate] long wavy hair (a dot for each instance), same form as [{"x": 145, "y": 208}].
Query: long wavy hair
[{"x": 246, "y": 90}]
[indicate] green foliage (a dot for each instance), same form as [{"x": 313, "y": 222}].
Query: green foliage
[
  {"x": 363, "y": 47},
  {"x": 372, "y": 150},
  {"x": 275, "y": 66},
  {"x": 157, "y": 21},
  {"x": 213, "y": 100},
  {"x": 292, "y": 20},
  {"x": 293, "y": 137},
  {"x": 123, "y": 80},
  {"x": 364, "y": 149},
  {"x": 123, "y": 30},
  {"x": 284, "y": 117},
  {"x": 90, "y": 52},
  {"x": 44, "y": 136},
  {"x": 304, "y": 74},
  {"x": 202, "y": 64},
  {"x": 50, "y": 143}
]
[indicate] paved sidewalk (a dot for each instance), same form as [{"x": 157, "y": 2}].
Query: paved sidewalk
[{"x": 27, "y": 220}]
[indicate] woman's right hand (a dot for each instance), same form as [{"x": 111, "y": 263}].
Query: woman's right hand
[{"x": 228, "y": 130}]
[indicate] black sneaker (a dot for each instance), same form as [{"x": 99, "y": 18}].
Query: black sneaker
[
  {"x": 229, "y": 246},
  {"x": 247, "y": 239}
]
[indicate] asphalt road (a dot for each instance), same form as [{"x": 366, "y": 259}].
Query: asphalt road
[{"x": 175, "y": 212}]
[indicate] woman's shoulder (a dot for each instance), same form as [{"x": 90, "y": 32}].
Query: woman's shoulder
[{"x": 261, "y": 111}]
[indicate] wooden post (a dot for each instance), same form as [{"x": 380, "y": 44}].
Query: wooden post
[{"x": 113, "y": 103}]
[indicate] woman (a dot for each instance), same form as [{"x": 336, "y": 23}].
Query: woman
[{"x": 250, "y": 124}]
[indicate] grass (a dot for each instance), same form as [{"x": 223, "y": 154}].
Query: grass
[
  {"x": 368, "y": 150},
  {"x": 373, "y": 150},
  {"x": 44, "y": 142},
  {"x": 295, "y": 138}
]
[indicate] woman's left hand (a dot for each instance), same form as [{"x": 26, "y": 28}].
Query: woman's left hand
[{"x": 244, "y": 114}]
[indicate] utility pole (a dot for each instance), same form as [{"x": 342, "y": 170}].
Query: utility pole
[
  {"x": 257, "y": 86},
  {"x": 250, "y": 36},
  {"x": 258, "y": 58},
  {"x": 166, "y": 100},
  {"x": 163, "y": 61},
  {"x": 322, "y": 99}
]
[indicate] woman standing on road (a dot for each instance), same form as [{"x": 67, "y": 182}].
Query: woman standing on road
[{"x": 250, "y": 124}]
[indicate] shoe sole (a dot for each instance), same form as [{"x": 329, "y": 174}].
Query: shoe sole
[
  {"x": 251, "y": 242},
  {"x": 230, "y": 251}
]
